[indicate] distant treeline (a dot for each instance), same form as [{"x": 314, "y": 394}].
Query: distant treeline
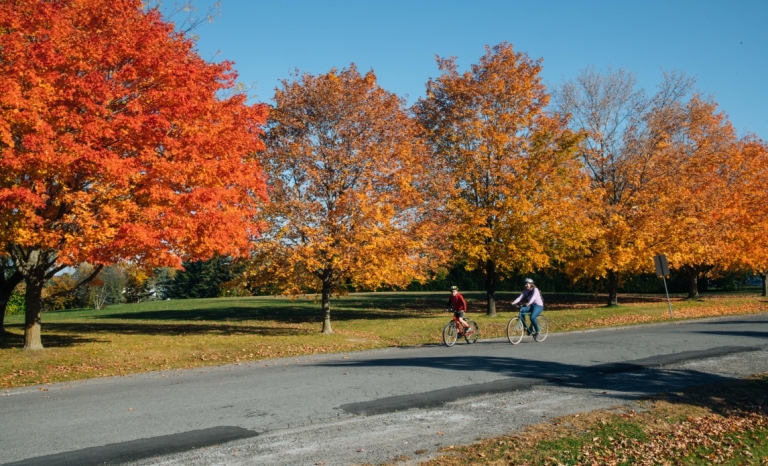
[{"x": 217, "y": 277}]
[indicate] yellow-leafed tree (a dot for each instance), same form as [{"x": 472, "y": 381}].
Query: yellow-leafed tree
[
  {"x": 699, "y": 207},
  {"x": 624, "y": 156},
  {"x": 516, "y": 184},
  {"x": 751, "y": 201},
  {"x": 352, "y": 202}
]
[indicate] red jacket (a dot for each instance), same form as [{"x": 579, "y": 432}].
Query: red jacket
[{"x": 457, "y": 302}]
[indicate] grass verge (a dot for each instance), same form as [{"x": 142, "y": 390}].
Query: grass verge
[
  {"x": 183, "y": 334},
  {"x": 723, "y": 424}
]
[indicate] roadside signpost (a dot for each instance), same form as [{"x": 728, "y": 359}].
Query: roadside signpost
[{"x": 662, "y": 270}]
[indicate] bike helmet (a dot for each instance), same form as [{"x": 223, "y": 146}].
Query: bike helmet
[
  {"x": 529, "y": 280},
  {"x": 454, "y": 287}
]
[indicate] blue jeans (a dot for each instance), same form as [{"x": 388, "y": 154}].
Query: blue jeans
[{"x": 535, "y": 310}]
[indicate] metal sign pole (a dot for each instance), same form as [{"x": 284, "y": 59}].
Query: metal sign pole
[
  {"x": 669, "y": 303},
  {"x": 662, "y": 270}
]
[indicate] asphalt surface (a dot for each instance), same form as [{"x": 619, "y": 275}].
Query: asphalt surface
[{"x": 369, "y": 407}]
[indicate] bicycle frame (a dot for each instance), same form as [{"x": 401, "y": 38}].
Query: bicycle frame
[
  {"x": 455, "y": 329},
  {"x": 526, "y": 311},
  {"x": 517, "y": 327},
  {"x": 457, "y": 324}
]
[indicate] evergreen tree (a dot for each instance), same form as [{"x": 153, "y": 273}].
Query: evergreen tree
[{"x": 202, "y": 279}]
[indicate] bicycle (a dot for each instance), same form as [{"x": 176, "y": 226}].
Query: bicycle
[
  {"x": 517, "y": 328},
  {"x": 454, "y": 330}
]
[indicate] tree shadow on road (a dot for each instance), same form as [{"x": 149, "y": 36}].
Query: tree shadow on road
[{"x": 630, "y": 382}]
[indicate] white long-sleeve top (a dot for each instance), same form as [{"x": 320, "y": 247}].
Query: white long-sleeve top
[{"x": 531, "y": 296}]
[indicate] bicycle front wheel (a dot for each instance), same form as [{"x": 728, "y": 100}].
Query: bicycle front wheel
[
  {"x": 474, "y": 334},
  {"x": 450, "y": 334},
  {"x": 543, "y": 328},
  {"x": 515, "y": 330}
]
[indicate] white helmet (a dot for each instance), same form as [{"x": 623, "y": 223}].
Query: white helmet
[{"x": 529, "y": 280}]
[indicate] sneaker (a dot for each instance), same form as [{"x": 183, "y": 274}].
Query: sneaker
[
  {"x": 467, "y": 330},
  {"x": 536, "y": 336}
]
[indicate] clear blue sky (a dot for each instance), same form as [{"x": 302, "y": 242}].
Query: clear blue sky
[{"x": 723, "y": 44}]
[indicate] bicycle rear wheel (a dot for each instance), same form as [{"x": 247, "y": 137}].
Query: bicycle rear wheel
[
  {"x": 450, "y": 334},
  {"x": 543, "y": 328},
  {"x": 474, "y": 334},
  {"x": 515, "y": 330}
]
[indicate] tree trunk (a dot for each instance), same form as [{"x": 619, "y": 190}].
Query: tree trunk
[
  {"x": 613, "y": 288},
  {"x": 326, "y": 302},
  {"x": 36, "y": 265},
  {"x": 693, "y": 285},
  {"x": 490, "y": 287},
  {"x": 764, "y": 277},
  {"x": 702, "y": 283},
  {"x": 691, "y": 274},
  {"x": 33, "y": 307}
]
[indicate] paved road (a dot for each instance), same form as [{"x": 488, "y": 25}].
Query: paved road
[{"x": 367, "y": 407}]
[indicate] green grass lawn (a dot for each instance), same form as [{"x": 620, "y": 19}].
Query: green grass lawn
[{"x": 180, "y": 334}]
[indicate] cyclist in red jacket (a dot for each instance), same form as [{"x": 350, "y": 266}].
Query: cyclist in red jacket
[{"x": 458, "y": 305}]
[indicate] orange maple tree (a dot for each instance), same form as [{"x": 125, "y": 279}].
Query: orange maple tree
[
  {"x": 117, "y": 142},
  {"x": 353, "y": 200},
  {"x": 516, "y": 186},
  {"x": 699, "y": 208},
  {"x": 623, "y": 155},
  {"x": 750, "y": 206}
]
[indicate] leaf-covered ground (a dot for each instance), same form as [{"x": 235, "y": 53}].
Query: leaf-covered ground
[
  {"x": 725, "y": 424},
  {"x": 183, "y": 334}
]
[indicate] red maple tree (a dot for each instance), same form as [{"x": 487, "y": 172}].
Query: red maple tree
[{"x": 117, "y": 141}]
